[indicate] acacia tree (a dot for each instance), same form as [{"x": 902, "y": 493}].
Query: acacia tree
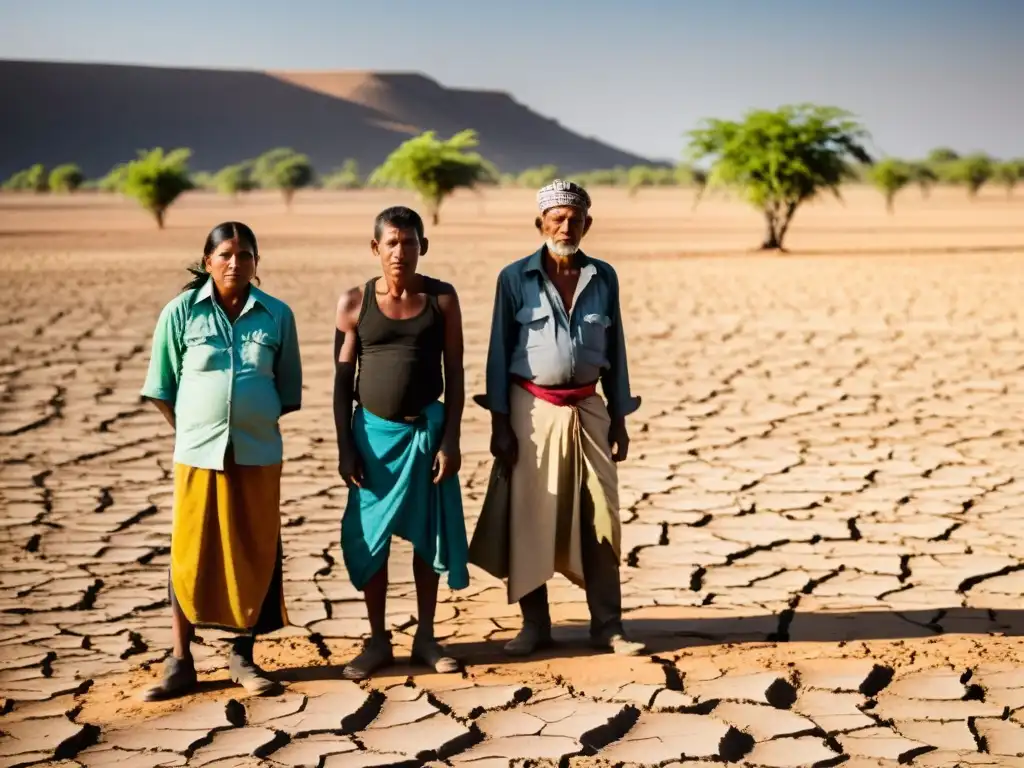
[
  {"x": 32, "y": 179},
  {"x": 155, "y": 179},
  {"x": 687, "y": 175},
  {"x": 233, "y": 179},
  {"x": 346, "y": 177},
  {"x": 114, "y": 180},
  {"x": 780, "y": 159},
  {"x": 535, "y": 178},
  {"x": 922, "y": 174},
  {"x": 435, "y": 168},
  {"x": 640, "y": 176},
  {"x": 66, "y": 178},
  {"x": 284, "y": 169},
  {"x": 890, "y": 176},
  {"x": 1008, "y": 173},
  {"x": 972, "y": 171}
]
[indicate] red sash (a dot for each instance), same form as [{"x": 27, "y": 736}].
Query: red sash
[{"x": 562, "y": 396}]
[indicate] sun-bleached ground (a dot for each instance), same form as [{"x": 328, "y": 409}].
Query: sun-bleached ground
[{"x": 822, "y": 505}]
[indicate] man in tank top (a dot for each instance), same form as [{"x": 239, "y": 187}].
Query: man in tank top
[
  {"x": 553, "y": 498},
  {"x": 398, "y": 444}
]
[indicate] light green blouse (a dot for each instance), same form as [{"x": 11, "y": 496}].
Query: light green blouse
[{"x": 227, "y": 382}]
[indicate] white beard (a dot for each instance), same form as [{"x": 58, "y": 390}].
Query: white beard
[{"x": 562, "y": 250}]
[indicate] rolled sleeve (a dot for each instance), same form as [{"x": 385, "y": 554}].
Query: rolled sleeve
[
  {"x": 288, "y": 371},
  {"x": 499, "y": 349},
  {"x": 165, "y": 359},
  {"x": 615, "y": 379}
]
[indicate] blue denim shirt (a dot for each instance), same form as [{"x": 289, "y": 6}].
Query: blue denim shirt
[{"x": 534, "y": 338}]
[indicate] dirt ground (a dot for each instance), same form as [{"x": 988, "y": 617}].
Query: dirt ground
[{"x": 821, "y": 500}]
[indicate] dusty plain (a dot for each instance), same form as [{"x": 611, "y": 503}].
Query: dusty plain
[{"x": 823, "y": 504}]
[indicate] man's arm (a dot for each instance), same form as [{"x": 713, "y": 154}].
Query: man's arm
[
  {"x": 615, "y": 379},
  {"x": 161, "y": 386},
  {"x": 454, "y": 370},
  {"x": 499, "y": 351},
  {"x": 346, "y": 320}
]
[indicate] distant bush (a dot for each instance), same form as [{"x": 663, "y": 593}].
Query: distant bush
[
  {"x": 346, "y": 177},
  {"x": 1008, "y": 174},
  {"x": 435, "y": 168},
  {"x": 66, "y": 178},
  {"x": 924, "y": 175},
  {"x": 973, "y": 172},
  {"x": 606, "y": 177},
  {"x": 283, "y": 169},
  {"x": 941, "y": 155},
  {"x": 114, "y": 180},
  {"x": 640, "y": 176},
  {"x": 535, "y": 178},
  {"x": 203, "y": 180},
  {"x": 33, "y": 179},
  {"x": 156, "y": 179},
  {"x": 234, "y": 179},
  {"x": 890, "y": 175}
]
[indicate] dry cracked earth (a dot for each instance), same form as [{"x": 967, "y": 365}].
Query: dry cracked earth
[{"x": 821, "y": 502}]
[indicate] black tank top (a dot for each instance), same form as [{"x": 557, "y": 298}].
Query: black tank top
[{"x": 399, "y": 360}]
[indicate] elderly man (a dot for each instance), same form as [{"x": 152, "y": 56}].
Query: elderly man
[{"x": 557, "y": 331}]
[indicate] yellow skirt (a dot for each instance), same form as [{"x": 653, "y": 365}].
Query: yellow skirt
[{"x": 226, "y": 547}]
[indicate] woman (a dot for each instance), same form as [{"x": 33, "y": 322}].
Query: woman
[{"x": 225, "y": 367}]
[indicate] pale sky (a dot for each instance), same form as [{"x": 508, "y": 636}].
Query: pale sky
[{"x": 919, "y": 73}]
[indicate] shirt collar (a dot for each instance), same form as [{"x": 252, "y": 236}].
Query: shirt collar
[
  {"x": 256, "y": 296},
  {"x": 536, "y": 261},
  {"x": 206, "y": 290}
]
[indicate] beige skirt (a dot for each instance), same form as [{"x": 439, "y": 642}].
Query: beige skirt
[{"x": 563, "y": 450}]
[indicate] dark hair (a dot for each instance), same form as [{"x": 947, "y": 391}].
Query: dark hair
[
  {"x": 229, "y": 230},
  {"x": 399, "y": 217}
]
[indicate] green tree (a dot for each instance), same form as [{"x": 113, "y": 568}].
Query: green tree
[
  {"x": 66, "y": 178},
  {"x": 346, "y": 177},
  {"x": 890, "y": 176},
  {"x": 972, "y": 171},
  {"x": 283, "y": 169},
  {"x": 156, "y": 179},
  {"x": 435, "y": 168},
  {"x": 233, "y": 179},
  {"x": 780, "y": 159},
  {"x": 640, "y": 176},
  {"x": 943, "y": 163},
  {"x": 263, "y": 166},
  {"x": 535, "y": 178},
  {"x": 203, "y": 180},
  {"x": 32, "y": 179},
  {"x": 941, "y": 155},
  {"x": 603, "y": 177},
  {"x": 114, "y": 180},
  {"x": 924, "y": 175},
  {"x": 293, "y": 173},
  {"x": 1008, "y": 173}
]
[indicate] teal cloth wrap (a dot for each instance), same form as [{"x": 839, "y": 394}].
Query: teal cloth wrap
[{"x": 399, "y": 497}]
